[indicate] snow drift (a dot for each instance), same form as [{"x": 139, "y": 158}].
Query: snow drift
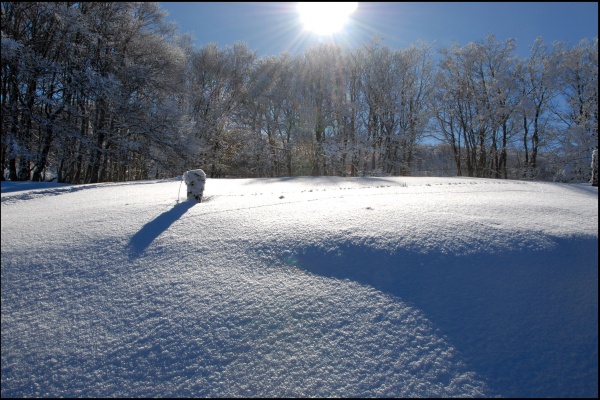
[{"x": 293, "y": 287}]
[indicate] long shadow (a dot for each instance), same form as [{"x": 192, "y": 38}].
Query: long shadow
[
  {"x": 526, "y": 321},
  {"x": 144, "y": 238}
]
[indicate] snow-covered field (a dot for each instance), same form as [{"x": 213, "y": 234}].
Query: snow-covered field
[{"x": 301, "y": 287}]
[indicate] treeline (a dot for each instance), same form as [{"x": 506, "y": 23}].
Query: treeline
[{"x": 95, "y": 92}]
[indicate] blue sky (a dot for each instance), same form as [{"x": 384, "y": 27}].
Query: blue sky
[{"x": 274, "y": 27}]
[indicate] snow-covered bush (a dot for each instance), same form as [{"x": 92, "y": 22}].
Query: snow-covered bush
[{"x": 195, "y": 180}]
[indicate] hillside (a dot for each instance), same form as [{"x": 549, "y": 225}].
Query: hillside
[{"x": 301, "y": 287}]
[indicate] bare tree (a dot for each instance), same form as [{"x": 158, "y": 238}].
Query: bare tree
[
  {"x": 476, "y": 97},
  {"x": 217, "y": 84},
  {"x": 537, "y": 79},
  {"x": 579, "y": 87}
]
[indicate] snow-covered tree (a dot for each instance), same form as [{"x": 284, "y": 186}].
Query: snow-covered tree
[
  {"x": 579, "y": 87},
  {"x": 476, "y": 96},
  {"x": 108, "y": 91},
  {"x": 271, "y": 112},
  {"x": 397, "y": 90},
  {"x": 537, "y": 77},
  {"x": 218, "y": 81},
  {"x": 86, "y": 89}
]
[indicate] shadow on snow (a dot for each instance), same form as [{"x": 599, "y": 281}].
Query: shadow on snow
[
  {"x": 144, "y": 238},
  {"x": 526, "y": 322}
]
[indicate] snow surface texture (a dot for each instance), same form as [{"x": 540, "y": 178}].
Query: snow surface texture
[
  {"x": 195, "y": 181},
  {"x": 299, "y": 287}
]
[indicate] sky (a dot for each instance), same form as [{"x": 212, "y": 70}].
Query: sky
[
  {"x": 271, "y": 28},
  {"x": 300, "y": 287}
]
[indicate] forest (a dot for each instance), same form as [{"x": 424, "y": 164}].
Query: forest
[{"x": 110, "y": 91}]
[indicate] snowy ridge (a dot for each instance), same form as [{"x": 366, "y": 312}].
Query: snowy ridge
[
  {"x": 17, "y": 191},
  {"x": 369, "y": 287}
]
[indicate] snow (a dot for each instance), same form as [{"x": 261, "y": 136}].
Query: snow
[
  {"x": 194, "y": 180},
  {"x": 301, "y": 287}
]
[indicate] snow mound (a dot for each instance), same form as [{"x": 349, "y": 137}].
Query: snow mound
[{"x": 301, "y": 287}]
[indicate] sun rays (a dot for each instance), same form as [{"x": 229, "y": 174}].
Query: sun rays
[{"x": 325, "y": 18}]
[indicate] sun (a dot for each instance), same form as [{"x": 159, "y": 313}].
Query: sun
[{"x": 325, "y": 18}]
